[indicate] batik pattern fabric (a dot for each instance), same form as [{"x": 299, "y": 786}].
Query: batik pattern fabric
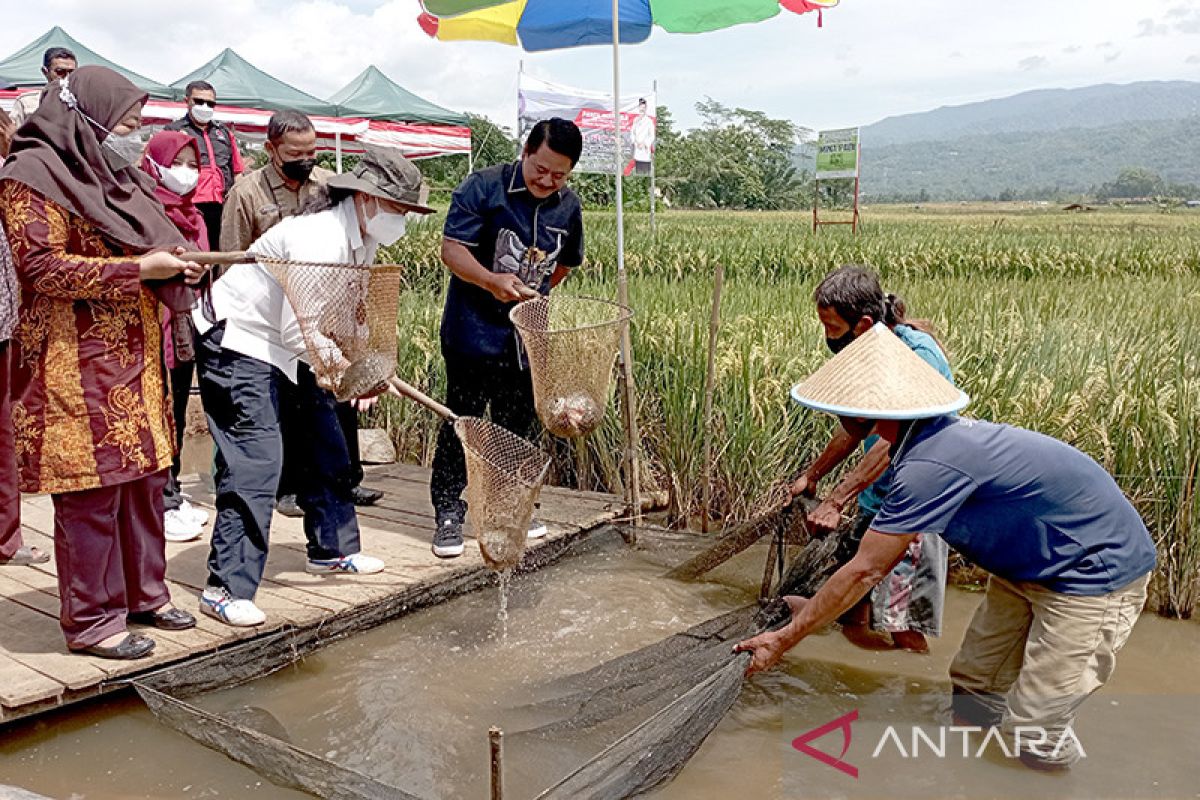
[
  {"x": 89, "y": 407},
  {"x": 8, "y": 290}
]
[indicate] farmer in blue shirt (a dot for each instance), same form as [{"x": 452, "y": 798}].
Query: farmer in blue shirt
[
  {"x": 907, "y": 606},
  {"x": 1070, "y": 557},
  {"x": 513, "y": 231}
]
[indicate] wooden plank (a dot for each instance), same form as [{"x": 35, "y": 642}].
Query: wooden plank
[
  {"x": 34, "y": 640},
  {"x": 23, "y": 685}
]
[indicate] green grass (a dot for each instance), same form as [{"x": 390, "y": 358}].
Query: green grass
[{"x": 1084, "y": 327}]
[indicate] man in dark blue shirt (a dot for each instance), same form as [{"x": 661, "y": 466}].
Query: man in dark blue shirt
[
  {"x": 1070, "y": 557},
  {"x": 513, "y": 231}
]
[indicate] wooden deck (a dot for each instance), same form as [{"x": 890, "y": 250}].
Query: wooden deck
[{"x": 38, "y": 673}]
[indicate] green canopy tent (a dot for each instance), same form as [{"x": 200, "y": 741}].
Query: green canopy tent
[
  {"x": 24, "y": 67},
  {"x": 240, "y": 83},
  {"x": 373, "y": 95}
]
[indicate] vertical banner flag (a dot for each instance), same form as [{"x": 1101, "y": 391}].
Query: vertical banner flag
[
  {"x": 837, "y": 154},
  {"x": 592, "y": 112}
]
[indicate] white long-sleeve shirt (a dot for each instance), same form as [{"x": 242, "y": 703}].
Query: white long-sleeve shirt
[{"x": 259, "y": 320}]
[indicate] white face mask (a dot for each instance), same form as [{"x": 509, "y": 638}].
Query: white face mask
[
  {"x": 386, "y": 227},
  {"x": 202, "y": 114},
  {"x": 180, "y": 179},
  {"x": 121, "y": 151}
]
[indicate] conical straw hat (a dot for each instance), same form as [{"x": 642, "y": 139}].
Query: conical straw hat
[{"x": 878, "y": 377}]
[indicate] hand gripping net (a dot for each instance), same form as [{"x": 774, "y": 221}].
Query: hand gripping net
[
  {"x": 504, "y": 476},
  {"x": 347, "y": 316},
  {"x": 571, "y": 343}
]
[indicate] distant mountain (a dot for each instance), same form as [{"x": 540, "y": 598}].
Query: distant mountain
[
  {"x": 1043, "y": 110},
  {"x": 1064, "y": 140}
]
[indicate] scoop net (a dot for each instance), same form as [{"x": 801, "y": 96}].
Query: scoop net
[
  {"x": 572, "y": 344},
  {"x": 347, "y": 316},
  {"x": 504, "y": 477}
]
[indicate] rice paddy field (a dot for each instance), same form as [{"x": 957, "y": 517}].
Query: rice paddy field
[{"x": 1085, "y": 327}]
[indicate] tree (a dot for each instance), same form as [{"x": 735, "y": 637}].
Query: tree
[{"x": 1134, "y": 182}]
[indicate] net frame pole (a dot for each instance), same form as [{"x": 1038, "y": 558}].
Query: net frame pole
[
  {"x": 496, "y": 752},
  {"x": 633, "y": 489},
  {"x": 710, "y": 374}
]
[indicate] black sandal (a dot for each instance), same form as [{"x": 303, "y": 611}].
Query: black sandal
[
  {"x": 176, "y": 619},
  {"x": 133, "y": 646}
]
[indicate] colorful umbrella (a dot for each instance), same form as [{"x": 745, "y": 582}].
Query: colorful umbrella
[
  {"x": 538, "y": 25},
  {"x": 551, "y": 24}
]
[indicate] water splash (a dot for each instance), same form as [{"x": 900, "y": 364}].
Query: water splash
[{"x": 504, "y": 579}]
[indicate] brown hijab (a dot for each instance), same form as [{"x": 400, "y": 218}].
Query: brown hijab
[{"x": 57, "y": 153}]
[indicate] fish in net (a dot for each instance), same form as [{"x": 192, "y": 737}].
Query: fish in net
[
  {"x": 571, "y": 344},
  {"x": 347, "y": 316},
  {"x": 504, "y": 477}
]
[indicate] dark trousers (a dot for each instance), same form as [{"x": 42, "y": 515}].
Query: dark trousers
[
  {"x": 111, "y": 557},
  {"x": 241, "y": 400},
  {"x": 10, "y": 497},
  {"x": 180, "y": 377},
  {"x": 473, "y": 386},
  {"x": 212, "y": 220},
  {"x": 293, "y": 442}
]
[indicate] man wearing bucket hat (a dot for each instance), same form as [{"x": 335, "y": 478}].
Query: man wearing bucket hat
[
  {"x": 250, "y": 348},
  {"x": 1069, "y": 556}
]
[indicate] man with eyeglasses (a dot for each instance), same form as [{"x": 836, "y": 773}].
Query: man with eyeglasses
[
  {"x": 220, "y": 161},
  {"x": 57, "y": 62},
  {"x": 513, "y": 232}
]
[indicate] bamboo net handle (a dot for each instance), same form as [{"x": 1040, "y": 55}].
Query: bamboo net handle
[{"x": 413, "y": 393}]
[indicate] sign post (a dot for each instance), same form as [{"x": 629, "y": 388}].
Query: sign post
[{"x": 838, "y": 158}]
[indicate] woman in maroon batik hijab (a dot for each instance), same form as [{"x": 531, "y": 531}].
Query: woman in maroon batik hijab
[{"x": 93, "y": 249}]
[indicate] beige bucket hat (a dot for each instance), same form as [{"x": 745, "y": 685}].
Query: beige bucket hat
[{"x": 878, "y": 377}]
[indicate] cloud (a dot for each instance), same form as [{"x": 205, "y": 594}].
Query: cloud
[
  {"x": 1148, "y": 27},
  {"x": 852, "y": 72},
  {"x": 957, "y": 54},
  {"x": 1111, "y": 57},
  {"x": 1071, "y": 50},
  {"x": 1193, "y": 59},
  {"x": 1032, "y": 63}
]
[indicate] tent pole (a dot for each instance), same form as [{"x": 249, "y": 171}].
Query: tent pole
[
  {"x": 337, "y": 144},
  {"x": 633, "y": 491}
]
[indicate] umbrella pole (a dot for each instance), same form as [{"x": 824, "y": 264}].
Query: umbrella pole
[{"x": 633, "y": 490}]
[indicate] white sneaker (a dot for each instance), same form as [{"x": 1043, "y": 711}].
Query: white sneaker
[
  {"x": 196, "y": 515},
  {"x": 217, "y": 603},
  {"x": 180, "y": 528},
  {"x": 354, "y": 564},
  {"x": 537, "y": 529}
]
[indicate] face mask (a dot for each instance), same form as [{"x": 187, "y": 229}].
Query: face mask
[
  {"x": 842, "y": 342},
  {"x": 298, "y": 170},
  {"x": 181, "y": 179},
  {"x": 121, "y": 151},
  {"x": 202, "y": 114},
  {"x": 386, "y": 228}
]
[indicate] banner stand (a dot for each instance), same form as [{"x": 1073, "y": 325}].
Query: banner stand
[
  {"x": 839, "y": 157},
  {"x": 817, "y": 221}
]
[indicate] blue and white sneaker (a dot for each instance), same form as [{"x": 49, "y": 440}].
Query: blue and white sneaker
[
  {"x": 537, "y": 529},
  {"x": 354, "y": 564},
  {"x": 217, "y": 603}
]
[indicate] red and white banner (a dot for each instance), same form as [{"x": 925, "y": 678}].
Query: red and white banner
[{"x": 414, "y": 140}]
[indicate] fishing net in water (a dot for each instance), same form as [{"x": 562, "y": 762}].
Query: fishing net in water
[
  {"x": 504, "y": 476},
  {"x": 572, "y": 344},
  {"x": 669, "y": 696},
  {"x": 347, "y": 316}
]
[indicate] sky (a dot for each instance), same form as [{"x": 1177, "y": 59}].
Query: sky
[{"x": 872, "y": 59}]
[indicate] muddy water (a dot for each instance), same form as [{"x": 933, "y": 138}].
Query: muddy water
[{"x": 410, "y": 704}]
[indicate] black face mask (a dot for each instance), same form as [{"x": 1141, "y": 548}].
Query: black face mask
[
  {"x": 839, "y": 344},
  {"x": 298, "y": 170}
]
